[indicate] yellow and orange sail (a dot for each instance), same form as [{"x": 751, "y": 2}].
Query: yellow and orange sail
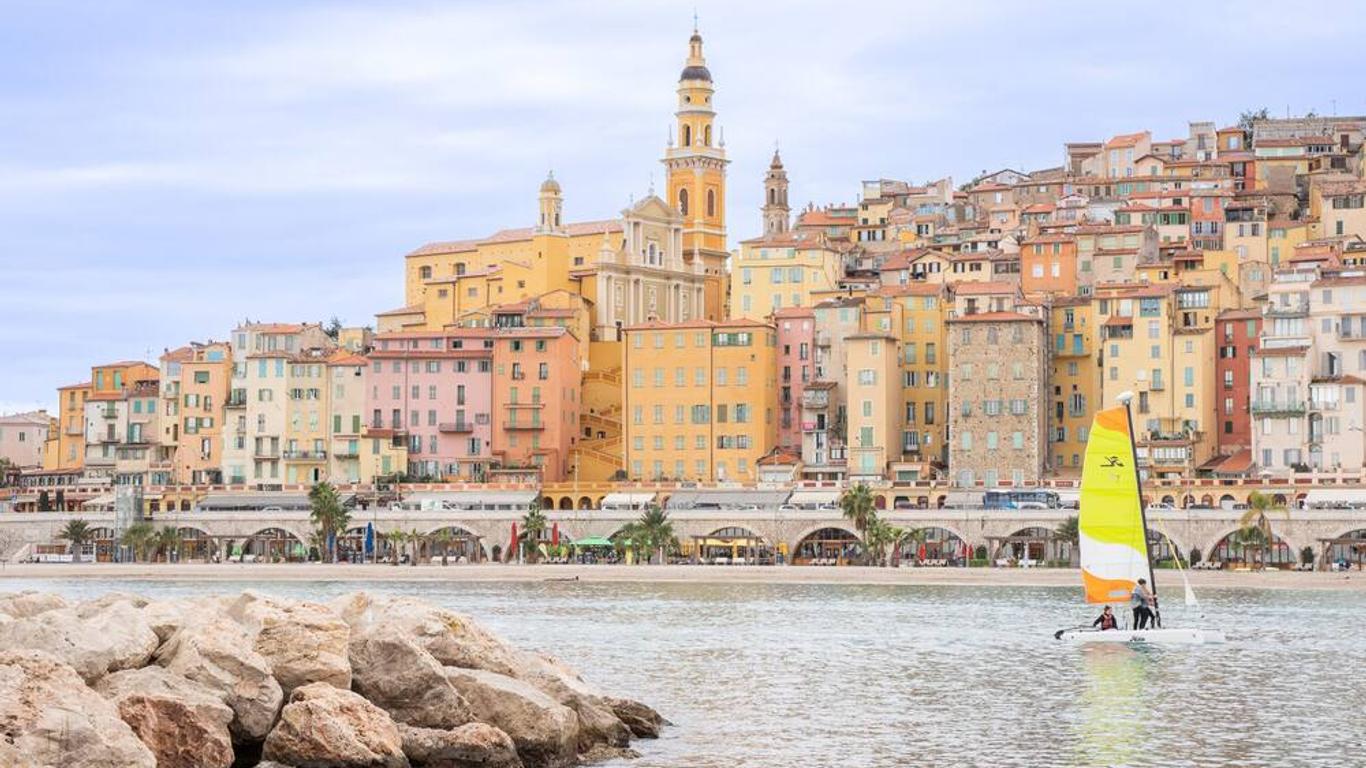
[{"x": 1114, "y": 550}]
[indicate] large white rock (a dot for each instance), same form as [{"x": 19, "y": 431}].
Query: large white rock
[
  {"x": 545, "y": 731},
  {"x": 50, "y": 717},
  {"x": 389, "y": 669},
  {"x": 21, "y": 605},
  {"x": 304, "y": 642},
  {"x": 475, "y": 745},
  {"x": 217, "y": 652},
  {"x": 454, "y": 639},
  {"x": 184, "y": 723},
  {"x": 94, "y": 641},
  {"x": 323, "y": 726}
]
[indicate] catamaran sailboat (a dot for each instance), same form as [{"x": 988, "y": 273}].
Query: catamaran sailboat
[{"x": 1113, "y": 534}]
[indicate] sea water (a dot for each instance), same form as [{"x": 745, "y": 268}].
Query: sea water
[{"x": 844, "y": 675}]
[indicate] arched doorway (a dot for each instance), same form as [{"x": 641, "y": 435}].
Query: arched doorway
[
  {"x": 732, "y": 545},
  {"x": 1032, "y": 546},
  {"x": 828, "y": 546},
  {"x": 1236, "y": 549},
  {"x": 585, "y": 502},
  {"x": 453, "y": 543},
  {"x": 1168, "y": 500},
  {"x": 194, "y": 545},
  {"x": 270, "y": 545},
  {"x": 1345, "y": 551},
  {"x": 1227, "y": 501},
  {"x": 567, "y": 503},
  {"x": 102, "y": 547},
  {"x": 933, "y": 546}
]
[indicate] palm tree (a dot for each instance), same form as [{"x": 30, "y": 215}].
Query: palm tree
[
  {"x": 396, "y": 539},
  {"x": 165, "y": 541},
  {"x": 879, "y": 537},
  {"x": 77, "y": 532},
  {"x": 328, "y": 515},
  {"x": 656, "y": 531},
  {"x": 137, "y": 537},
  {"x": 916, "y": 537},
  {"x": 1258, "y": 505},
  {"x": 1249, "y": 539},
  {"x": 1069, "y": 531},
  {"x": 533, "y": 525},
  {"x": 629, "y": 538},
  {"x": 858, "y": 508}
]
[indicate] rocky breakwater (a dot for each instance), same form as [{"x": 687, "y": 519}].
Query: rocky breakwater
[{"x": 365, "y": 681}]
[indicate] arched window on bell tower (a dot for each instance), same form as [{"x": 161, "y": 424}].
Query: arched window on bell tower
[
  {"x": 687, "y": 135},
  {"x": 711, "y": 202},
  {"x": 706, "y": 136},
  {"x": 683, "y": 201}
]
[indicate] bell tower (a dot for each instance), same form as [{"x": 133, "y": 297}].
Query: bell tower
[
  {"x": 696, "y": 166},
  {"x": 777, "y": 216},
  {"x": 551, "y": 204}
]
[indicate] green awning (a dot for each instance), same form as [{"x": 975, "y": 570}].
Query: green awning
[{"x": 594, "y": 541}]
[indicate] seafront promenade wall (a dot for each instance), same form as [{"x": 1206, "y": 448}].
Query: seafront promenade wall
[{"x": 1198, "y": 528}]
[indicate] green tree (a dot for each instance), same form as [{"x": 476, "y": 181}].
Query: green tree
[
  {"x": 880, "y": 537},
  {"x": 1260, "y": 507},
  {"x": 1069, "y": 531},
  {"x": 329, "y": 516},
  {"x": 333, "y": 328},
  {"x": 397, "y": 538},
  {"x": 165, "y": 541},
  {"x": 657, "y": 532},
  {"x": 416, "y": 539},
  {"x": 1250, "y": 116},
  {"x": 138, "y": 538},
  {"x": 77, "y": 534},
  {"x": 858, "y": 508},
  {"x": 533, "y": 525}
]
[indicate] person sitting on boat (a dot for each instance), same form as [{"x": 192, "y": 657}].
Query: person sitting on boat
[
  {"x": 1106, "y": 620},
  {"x": 1142, "y": 600}
]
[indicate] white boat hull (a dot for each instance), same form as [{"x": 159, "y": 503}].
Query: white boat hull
[{"x": 1189, "y": 636}]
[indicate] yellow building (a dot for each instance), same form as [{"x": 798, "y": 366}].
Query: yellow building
[
  {"x": 66, "y": 446},
  {"x": 1339, "y": 206},
  {"x": 1075, "y": 381},
  {"x": 699, "y": 399},
  {"x": 914, "y": 315},
  {"x": 1158, "y": 342},
  {"x": 195, "y": 381},
  {"x": 874, "y": 401},
  {"x": 782, "y": 271}
]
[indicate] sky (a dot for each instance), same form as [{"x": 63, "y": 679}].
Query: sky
[{"x": 170, "y": 168}]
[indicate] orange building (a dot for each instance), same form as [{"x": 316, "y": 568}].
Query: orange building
[
  {"x": 536, "y": 399},
  {"x": 194, "y": 391},
  {"x": 1048, "y": 265},
  {"x": 66, "y": 445}
]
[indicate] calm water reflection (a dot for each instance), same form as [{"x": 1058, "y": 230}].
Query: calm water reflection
[{"x": 786, "y": 675}]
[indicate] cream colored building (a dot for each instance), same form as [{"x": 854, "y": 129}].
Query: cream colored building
[{"x": 874, "y": 398}]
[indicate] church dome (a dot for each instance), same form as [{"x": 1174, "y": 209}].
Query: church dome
[
  {"x": 550, "y": 185},
  {"x": 695, "y": 72}
]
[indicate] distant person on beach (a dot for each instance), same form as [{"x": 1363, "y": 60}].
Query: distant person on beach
[
  {"x": 1106, "y": 620},
  {"x": 1142, "y": 601}
]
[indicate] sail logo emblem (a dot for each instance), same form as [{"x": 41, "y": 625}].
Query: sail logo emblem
[{"x": 1112, "y": 461}]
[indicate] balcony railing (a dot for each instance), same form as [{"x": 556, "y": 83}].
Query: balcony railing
[
  {"x": 1293, "y": 309},
  {"x": 524, "y": 425},
  {"x": 455, "y": 426},
  {"x": 1278, "y": 408},
  {"x": 815, "y": 399},
  {"x": 305, "y": 455},
  {"x": 109, "y": 412}
]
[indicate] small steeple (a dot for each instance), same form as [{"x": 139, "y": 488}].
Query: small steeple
[
  {"x": 777, "y": 215},
  {"x": 551, "y": 205}
]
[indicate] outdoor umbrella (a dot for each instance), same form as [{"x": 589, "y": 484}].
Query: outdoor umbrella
[
  {"x": 369, "y": 543},
  {"x": 512, "y": 548},
  {"x": 555, "y": 534}
]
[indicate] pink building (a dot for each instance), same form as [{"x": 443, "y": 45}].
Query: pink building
[
  {"x": 796, "y": 343},
  {"x": 434, "y": 388},
  {"x": 21, "y": 438}
]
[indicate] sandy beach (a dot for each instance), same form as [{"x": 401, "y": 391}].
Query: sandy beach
[{"x": 1049, "y": 577}]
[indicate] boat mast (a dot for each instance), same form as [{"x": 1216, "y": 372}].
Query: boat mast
[{"x": 1126, "y": 398}]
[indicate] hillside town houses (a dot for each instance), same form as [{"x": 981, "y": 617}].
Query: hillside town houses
[{"x": 962, "y": 333}]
